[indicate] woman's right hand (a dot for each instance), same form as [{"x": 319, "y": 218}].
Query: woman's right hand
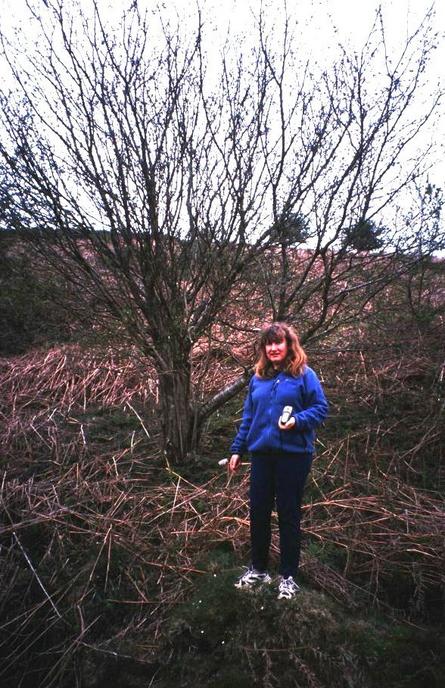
[{"x": 234, "y": 462}]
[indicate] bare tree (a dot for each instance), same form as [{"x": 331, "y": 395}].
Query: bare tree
[
  {"x": 353, "y": 166},
  {"x": 160, "y": 193}
]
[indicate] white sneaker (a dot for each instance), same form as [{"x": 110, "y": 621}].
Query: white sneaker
[
  {"x": 287, "y": 588},
  {"x": 252, "y": 578}
]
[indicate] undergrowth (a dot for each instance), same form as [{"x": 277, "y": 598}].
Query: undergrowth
[{"x": 117, "y": 569}]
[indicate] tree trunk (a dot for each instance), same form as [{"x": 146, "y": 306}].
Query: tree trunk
[
  {"x": 178, "y": 419},
  {"x": 182, "y": 421}
]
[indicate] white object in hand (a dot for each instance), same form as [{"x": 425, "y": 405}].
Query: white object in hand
[
  {"x": 285, "y": 415},
  {"x": 223, "y": 462}
]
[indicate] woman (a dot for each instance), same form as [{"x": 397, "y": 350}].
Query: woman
[{"x": 281, "y": 448}]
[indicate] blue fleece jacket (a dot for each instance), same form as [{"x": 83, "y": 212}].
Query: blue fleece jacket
[{"x": 259, "y": 431}]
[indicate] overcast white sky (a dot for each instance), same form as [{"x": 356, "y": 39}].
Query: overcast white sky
[
  {"x": 323, "y": 22},
  {"x": 322, "y": 25}
]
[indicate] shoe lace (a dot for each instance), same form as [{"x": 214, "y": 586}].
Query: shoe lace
[
  {"x": 247, "y": 574},
  {"x": 288, "y": 585}
]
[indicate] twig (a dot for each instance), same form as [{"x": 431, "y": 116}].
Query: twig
[{"x": 29, "y": 562}]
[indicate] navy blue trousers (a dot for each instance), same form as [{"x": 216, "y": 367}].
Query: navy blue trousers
[{"x": 280, "y": 479}]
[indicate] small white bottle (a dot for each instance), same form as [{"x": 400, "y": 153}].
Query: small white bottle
[{"x": 285, "y": 415}]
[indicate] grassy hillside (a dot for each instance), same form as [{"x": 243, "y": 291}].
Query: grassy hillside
[{"x": 118, "y": 571}]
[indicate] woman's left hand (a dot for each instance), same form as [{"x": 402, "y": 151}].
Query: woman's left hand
[{"x": 287, "y": 426}]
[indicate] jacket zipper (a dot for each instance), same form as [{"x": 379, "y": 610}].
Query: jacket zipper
[{"x": 273, "y": 394}]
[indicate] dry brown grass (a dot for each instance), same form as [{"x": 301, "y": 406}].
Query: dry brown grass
[{"x": 96, "y": 527}]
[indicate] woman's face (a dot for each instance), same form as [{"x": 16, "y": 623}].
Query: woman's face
[{"x": 276, "y": 352}]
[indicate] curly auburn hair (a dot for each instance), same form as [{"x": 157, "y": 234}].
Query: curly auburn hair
[{"x": 295, "y": 360}]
